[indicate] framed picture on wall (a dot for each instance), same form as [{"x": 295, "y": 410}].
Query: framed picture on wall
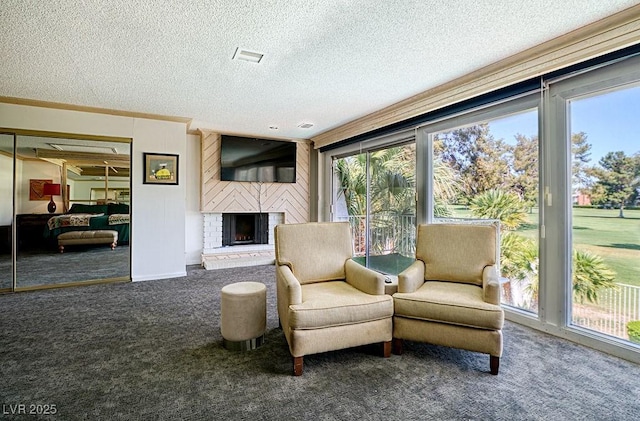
[
  {"x": 160, "y": 168},
  {"x": 36, "y": 189}
]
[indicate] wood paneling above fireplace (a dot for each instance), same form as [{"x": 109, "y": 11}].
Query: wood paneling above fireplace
[{"x": 236, "y": 197}]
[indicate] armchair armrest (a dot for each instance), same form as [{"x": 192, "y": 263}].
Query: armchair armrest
[
  {"x": 288, "y": 287},
  {"x": 410, "y": 279},
  {"x": 491, "y": 285},
  {"x": 364, "y": 279}
]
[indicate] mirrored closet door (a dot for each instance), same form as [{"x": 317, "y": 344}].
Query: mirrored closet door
[
  {"x": 6, "y": 211},
  {"x": 70, "y": 226}
]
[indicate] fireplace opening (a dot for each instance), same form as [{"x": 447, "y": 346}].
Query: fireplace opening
[{"x": 245, "y": 228}]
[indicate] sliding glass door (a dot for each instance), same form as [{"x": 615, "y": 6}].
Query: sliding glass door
[
  {"x": 375, "y": 191},
  {"x": 484, "y": 168},
  {"x": 599, "y": 198},
  {"x": 392, "y": 209},
  {"x": 605, "y": 214}
]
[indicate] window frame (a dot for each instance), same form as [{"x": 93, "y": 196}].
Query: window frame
[{"x": 558, "y": 206}]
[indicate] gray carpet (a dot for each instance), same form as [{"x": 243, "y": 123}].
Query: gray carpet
[
  {"x": 152, "y": 350},
  {"x": 76, "y": 264}
]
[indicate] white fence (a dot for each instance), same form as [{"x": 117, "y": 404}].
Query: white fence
[
  {"x": 388, "y": 233},
  {"x": 615, "y": 308}
]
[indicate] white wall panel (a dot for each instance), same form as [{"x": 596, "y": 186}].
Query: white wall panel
[
  {"x": 193, "y": 218},
  {"x": 158, "y": 210}
]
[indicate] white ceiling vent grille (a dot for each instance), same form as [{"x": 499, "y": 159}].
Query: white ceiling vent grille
[
  {"x": 305, "y": 125},
  {"x": 84, "y": 148},
  {"x": 246, "y": 55}
]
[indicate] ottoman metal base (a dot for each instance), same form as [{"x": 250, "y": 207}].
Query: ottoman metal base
[{"x": 247, "y": 345}]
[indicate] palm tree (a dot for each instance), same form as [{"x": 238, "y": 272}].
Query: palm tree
[
  {"x": 352, "y": 179},
  {"x": 519, "y": 255},
  {"x": 507, "y": 207},
  {"x": 393, "y": 180},
  {"x": 352, "y": 185},
  {"x": 392, "y": 199},
  {"x": 445, "y": 188},
  {"x": 391, "y": 191},
  {"x": 590, "y": 275}
]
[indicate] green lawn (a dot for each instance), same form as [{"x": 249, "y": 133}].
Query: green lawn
[
  {"x": 616, "y": 240},
  {"x": 601, "y": 232}
]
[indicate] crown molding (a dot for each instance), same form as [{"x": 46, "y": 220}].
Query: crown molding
[{"x": 87, "y": 109}]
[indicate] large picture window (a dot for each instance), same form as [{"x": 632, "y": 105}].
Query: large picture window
[
  {"x": 484, "y": 168},
  {"x": 557, "y": 170},
  {"x": 599, "y": 191}
]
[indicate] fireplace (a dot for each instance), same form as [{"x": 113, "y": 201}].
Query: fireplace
[{"x": 245, "y": 228}]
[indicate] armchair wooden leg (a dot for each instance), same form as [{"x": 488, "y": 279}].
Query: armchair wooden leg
[
  {"x": 494, "y": 363},
  {"x": 386, "y": 349},
  {"x": 297, "y": 366},
  {"x": 397, "y": 346}
]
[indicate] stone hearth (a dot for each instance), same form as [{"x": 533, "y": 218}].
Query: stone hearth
[{"x": 217, "y": 256}]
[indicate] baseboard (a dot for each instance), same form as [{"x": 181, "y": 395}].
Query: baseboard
[{"x": 158, "y": 276}]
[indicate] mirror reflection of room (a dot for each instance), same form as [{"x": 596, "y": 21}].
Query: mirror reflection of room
[
  {"x": 6, "y": 210},
  {"x": 72, "y": 212}
]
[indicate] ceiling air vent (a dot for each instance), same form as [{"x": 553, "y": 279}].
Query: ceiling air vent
[
  {"x": 246, "y": 55},
  {"x": 305, "y": 125}
]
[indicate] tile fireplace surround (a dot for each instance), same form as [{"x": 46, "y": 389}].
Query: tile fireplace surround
[{"x": 215, "y": 256}]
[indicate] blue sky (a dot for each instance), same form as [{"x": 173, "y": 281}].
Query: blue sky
[{"x": 611, "y": 122}]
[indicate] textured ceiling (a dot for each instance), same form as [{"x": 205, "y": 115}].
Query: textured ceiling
[{"x": 326, "y": 62}]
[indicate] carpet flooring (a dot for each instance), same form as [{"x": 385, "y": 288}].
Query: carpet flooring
[
  {"x": 153, "y": 351},
  {"x": 77, "y": 264}
]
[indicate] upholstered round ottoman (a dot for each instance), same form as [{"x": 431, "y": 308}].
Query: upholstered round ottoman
[{"x": 243, "y": 315}]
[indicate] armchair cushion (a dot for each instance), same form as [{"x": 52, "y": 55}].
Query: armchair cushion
[
  {"x": 449, "y": 302},
  {"x": 337, "y": 303},
  {"x": 454, "y": 252},
  {"x": 314, "y": 251}
]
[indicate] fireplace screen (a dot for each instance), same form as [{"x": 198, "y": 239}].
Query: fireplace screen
[{"x": 245, "y": 228}]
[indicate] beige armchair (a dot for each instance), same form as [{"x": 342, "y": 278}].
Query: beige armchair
[
  {"x": 450, "y": 295},
  {"x": 326, "y": 301}
]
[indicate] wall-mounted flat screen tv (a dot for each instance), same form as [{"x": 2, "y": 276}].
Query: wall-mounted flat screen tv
[{"x": 257, "y": 160}]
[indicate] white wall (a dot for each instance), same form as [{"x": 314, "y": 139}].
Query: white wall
[
  {"x": 158, "y": 211},
  {"x": 194, "y": 218}
]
